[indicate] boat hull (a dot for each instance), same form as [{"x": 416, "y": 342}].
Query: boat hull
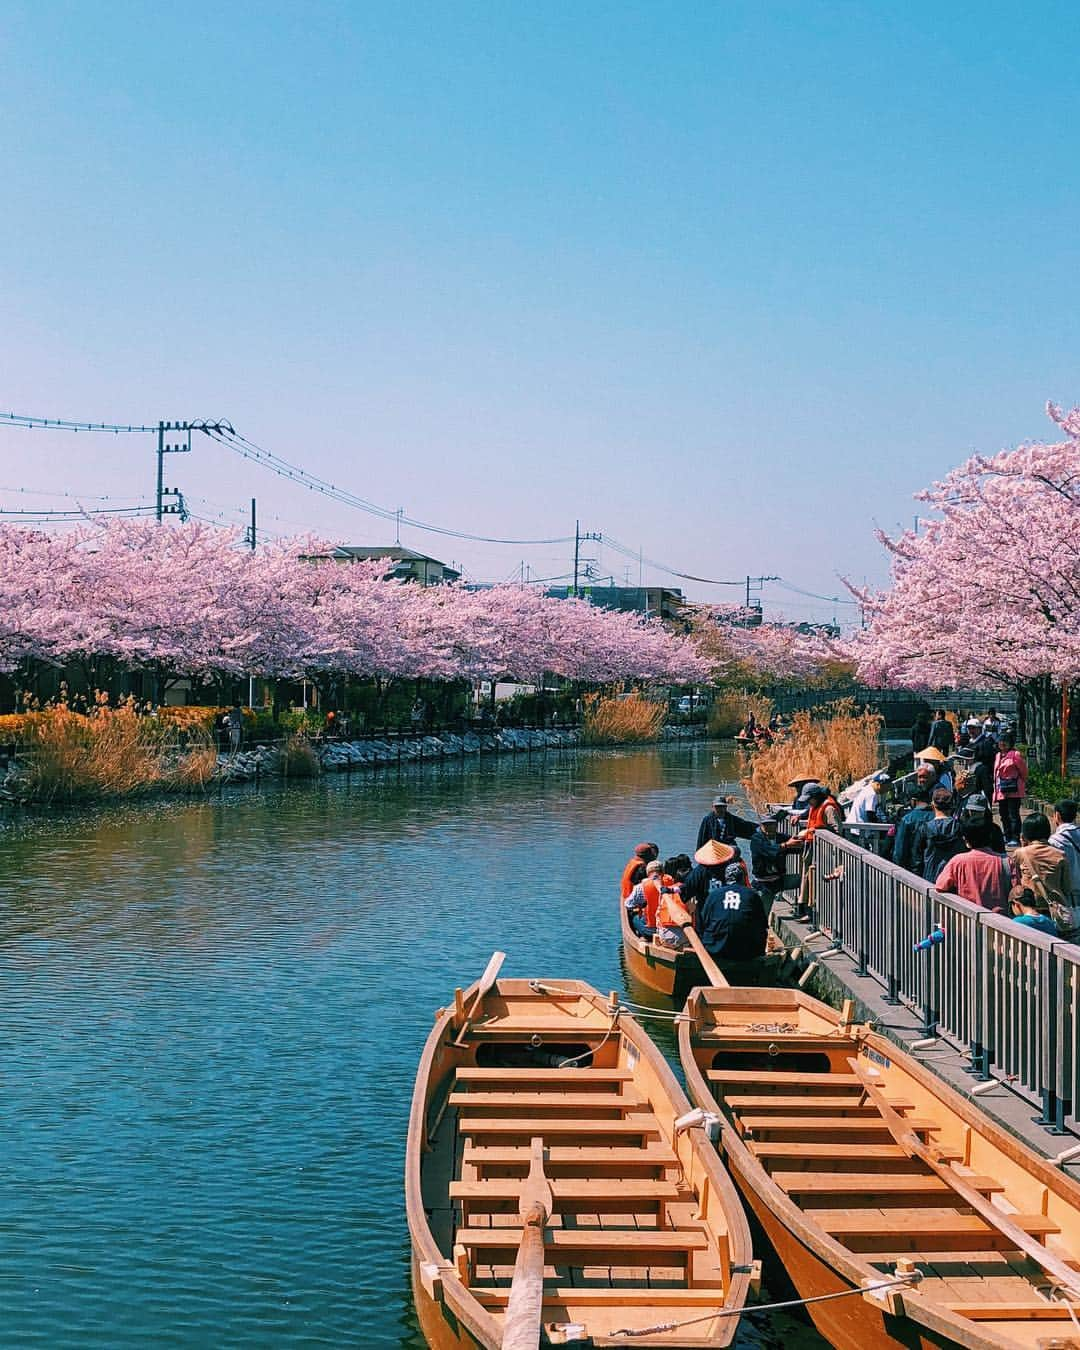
[
  {"x": 441, "y": 1328},
  {"x": 675, "y": 973}
]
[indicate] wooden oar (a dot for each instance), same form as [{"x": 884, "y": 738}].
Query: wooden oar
[
  {"x": 684, "y": 920},
  {"x": 524, "y": 1307},
  {"x": 487, "y": 981},
  {"x": 914, "y": 1147}
]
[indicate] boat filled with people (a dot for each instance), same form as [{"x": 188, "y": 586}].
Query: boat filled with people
[{"x": 552, "y": 1187}]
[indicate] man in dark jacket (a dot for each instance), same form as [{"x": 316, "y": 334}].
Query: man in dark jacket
[
  {"x": 920, "y": 731},
  {"x": 767, "y": 860},
  {"x": 731, "y": 919},
  {"x": 723, "y": 826},
  {"x": 908, "y": 828},
  {"x": 942, "y": 736},
  {"x": 939, "y": 839}
]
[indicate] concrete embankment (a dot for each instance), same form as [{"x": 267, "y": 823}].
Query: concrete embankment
[{"x": 350, "y": 756}]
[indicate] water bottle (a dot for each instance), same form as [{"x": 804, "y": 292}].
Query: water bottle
[{"x": 931, "y": 940}]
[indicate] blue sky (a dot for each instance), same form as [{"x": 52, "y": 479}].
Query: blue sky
[{"x": 730, "y": 281}]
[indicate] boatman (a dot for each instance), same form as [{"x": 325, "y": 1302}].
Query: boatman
[
  {"x": 723, "y": 826},
  {"x": 767, "y": 859},
  {"x": 731, "y": 920}
]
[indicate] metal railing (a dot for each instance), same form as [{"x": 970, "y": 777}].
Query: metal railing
[{"x": 1006, "y": 995}]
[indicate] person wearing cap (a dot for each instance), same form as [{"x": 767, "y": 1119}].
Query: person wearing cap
[
  {"x": 634, "y": 871},
  {"x": 767, "y": 859},
  {"x": 866, "y": 806},
  {"x": 824, "y": 814},
  {"x": 642, "y": 901},
  {"x": 801, "y": 785},
  {"x": 723, "y": 826},
  {"x": 731, "y": 920}
]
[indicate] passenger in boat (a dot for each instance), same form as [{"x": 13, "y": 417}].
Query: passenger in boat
[
  {"x": 1029, "y": 910},
  {"x": 978, "y": 873},
  {"x": 642, "y": 901},
  {"x": 908, "y": 826},
  {"x": 939, "y": 838},
  {"x": 672, "y": 916},
  {"x": 732, "y": 920},
  {"x": 767, "y": 859},
  {"x": 634, "y": 871},
  {"x": 723, "y": 826},
  {"x": 709, "y": 863}
]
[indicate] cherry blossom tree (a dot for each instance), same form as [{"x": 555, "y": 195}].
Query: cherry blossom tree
[{"x": 989, "y": 591}]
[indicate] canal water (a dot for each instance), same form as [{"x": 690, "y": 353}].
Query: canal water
[{"x": 212, "y": 1013}]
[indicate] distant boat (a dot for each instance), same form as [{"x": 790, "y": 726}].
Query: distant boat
[
  {"x": 863, "y": 1169},
  {"x": 546, "y": 1183}
]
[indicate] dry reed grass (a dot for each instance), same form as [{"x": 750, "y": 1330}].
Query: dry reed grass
[
  {"x": 731, "y": 709},
  {"x": 837, "y": 748},
  {"x": 298, "y": 759},
  {"x": 615, "y": 720},
  {"x": 108, "y": 752}
]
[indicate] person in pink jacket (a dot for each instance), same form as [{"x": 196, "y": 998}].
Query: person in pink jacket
[{"x": 1010, "y": 786}]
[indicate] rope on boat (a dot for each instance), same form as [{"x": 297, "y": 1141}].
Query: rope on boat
[
  {"x": 767, "y": 1307},
  {"x": 1058, "y": 1293}
]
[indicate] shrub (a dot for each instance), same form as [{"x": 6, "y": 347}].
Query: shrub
[
  {"x": 837, "y": 748},
  {"x": 612, "y": 720},
  {"x": 298, "y": 759}
]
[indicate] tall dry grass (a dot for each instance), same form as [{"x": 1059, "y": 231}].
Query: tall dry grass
[
  {"x": 731, "y": 709},
  {"x": 837, "y": 747},
  {"x": 612, "y": 720},
  {"x": 298, "y": 759},
  {"x": 109, "y": 752}
]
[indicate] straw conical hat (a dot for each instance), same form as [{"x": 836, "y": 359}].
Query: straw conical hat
[
  {"x": 713, "y": 854},
  {"x": 802, "y": 778},
  {"x": 933, "y": 753}
]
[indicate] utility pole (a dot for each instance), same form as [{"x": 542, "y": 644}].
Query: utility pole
[
  {"x": 579, "y": 539},
  {"x": 251, "y": 528},
  {"x": 758, "y": 582},
  {"x": 179, "y": 448}
]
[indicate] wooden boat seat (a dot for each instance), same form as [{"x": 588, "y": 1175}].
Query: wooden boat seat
[
  {"x": 763, "y": 1078},
  {"x": 584, "y": 1077},
  {"x": 731, "y": 1038},
  {"x": 573, "y": 1191},
  {"x": 853, "y": 1125},
  {"x": 700, "y": 1297},
  {"x": 550, "y": 1101},
  {"x": 512, "y": 1155},
  {"x": 865, "y": 1229},
  {"x": 767, "y": 1102},
  {"x": 875, "y": 1185},
  {"x": 633, "y": 1246},
  {"x": 1007, "y": 1312},
  {"x": 544, "y": 1127},
  {"x": 796, "y": 1151}
]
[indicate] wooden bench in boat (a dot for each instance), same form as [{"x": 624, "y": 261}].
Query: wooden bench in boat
[
  {"x": 795, "y": 1151},
  {"x": 702, "y": 1296},
  {"x": 874, "y": 1185},
  {"x": 871, "y": 1123},
  {"x": 512, "y": 1155},
  {"x": 573, "y": 1191},
  {"x": 549, "y": 1101},
  {"x": 632, "y": 1246},
  {"x": 853, "y": 1102},
  {"x": 765, "y": 1078},
  {"x": 544, "y": 1127},
  {"x": 864, "y": 1229},
  {"x": 584, "y": 1077}
]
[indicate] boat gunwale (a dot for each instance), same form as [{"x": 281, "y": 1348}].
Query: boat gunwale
[
  {"x": 829, "y": 1250},
  {"x": 425, "y": 1249}
]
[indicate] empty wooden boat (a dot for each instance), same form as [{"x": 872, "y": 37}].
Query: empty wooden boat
[
  {"x": 864, "y": 1169},
  {"x": 546, "y": 1183}
]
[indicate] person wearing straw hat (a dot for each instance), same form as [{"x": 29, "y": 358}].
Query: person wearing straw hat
[
  {"x": 723, "y": 826},
  {"x": 801, "y": 785},
  {"x": 709, "y": 863},
  {"x": 932, "y": 758},
  {"x": 732, "y": 919}
]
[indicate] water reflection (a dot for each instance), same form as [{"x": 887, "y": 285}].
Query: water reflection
[{"x": 212, "y": 1016}]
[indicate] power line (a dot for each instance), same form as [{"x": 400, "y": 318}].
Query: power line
[
  {"x": 814, "y": 595},
  {"x": 637, "y": 555}
]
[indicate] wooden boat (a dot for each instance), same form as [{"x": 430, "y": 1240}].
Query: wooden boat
[
  {"x": 543, "y": 1108},
  {"x": 677, "y": 972},
  {"x": 858, "y": 1163}
]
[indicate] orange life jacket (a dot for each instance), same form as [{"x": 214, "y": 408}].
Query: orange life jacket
[
  {"x": 631, "y": 867},
  {"x": 650, "y": 888},
  {"x": 671, "y": 912},
  {"x": 817, "y": 819}
]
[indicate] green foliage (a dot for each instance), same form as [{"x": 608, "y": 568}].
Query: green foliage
[{"x": 1051, "y": 787}]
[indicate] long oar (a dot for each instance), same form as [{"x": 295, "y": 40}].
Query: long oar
[
  {"x": 524, "y": 1308},
  {"x": 487, "y": 981},
  {"x": 914, "y": 1147},
  {"x": 684, "y": 920}
]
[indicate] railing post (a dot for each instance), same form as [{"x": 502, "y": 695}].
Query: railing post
[
  {"x": 980, "y": 1055},
  {"x": 892, "y": 993},
  {"x": 928, "y": 973},
  {"x": 863, "y": 902},
  {"x": 1052, "y": 1114}
]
